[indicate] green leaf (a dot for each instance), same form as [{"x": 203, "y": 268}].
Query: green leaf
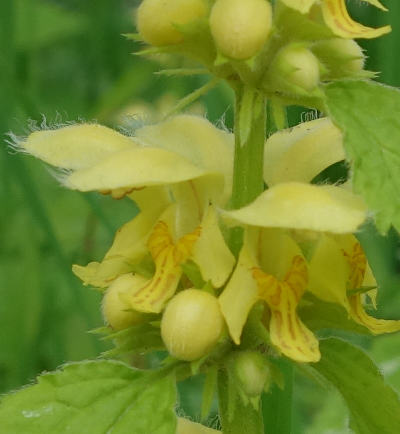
[
  {"x": 368, "y": 115},
  {"x": 93, "y": 396},
  {"x": 373, "y": 405},
  {"x": 319, "y": 315}
]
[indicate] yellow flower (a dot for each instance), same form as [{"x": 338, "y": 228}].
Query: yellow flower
[
  {"x": 338, "y": 20},
  {"x": 176, "y": 171},
  {"x": 298, "y": 238}
]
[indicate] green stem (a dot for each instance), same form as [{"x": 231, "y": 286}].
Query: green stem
[
  {"x": 250, "y": 132},
  {"x": 236, "y": 416},
  {"x": 277, "y": 405}
]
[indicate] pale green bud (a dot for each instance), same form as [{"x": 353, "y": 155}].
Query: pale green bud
[
  {"x": 116, "y": 311},
  {"x": 252, "y": 371},
  {"x": 157, "y": 20},
  {"x": 191, "y": 324},
  {"x": 240, "y": 27},
  {"x": 295, "y": 67}
]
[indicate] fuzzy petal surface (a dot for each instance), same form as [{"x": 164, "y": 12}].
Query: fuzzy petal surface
[
  {"x": 136, "y": 167},
  {"x": 211, "y": 253},
  {"x": 239, "y": 295},
  {"x": 195, "y": 139},
  {"x": 302, "y": 152},
  {"x": 76, "y": 146},
  {"x": 296, "y": 205}
]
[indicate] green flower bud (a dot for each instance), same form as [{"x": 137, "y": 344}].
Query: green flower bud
[
  {"x": 157, "y": 19},
  {"x": 116, "y": 311},
  {"x": 342, "y": 57},
  {"x": 295, "y": 67},
  {"x": 252, "y": 372},
  {"x": 192, "y": 324},
  {"x": 240, "y": 27}
]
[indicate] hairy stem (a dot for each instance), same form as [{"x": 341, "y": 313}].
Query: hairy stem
[
  {"x": 236, "y": 416},
  {"x": 250, "y": 131}
]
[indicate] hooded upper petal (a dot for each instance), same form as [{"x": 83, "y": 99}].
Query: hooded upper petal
[
  {"x": 136, "y": 167},
  {"x": 76, "y": 146},
  {"x": 303, "y": 206},
  {"x": 302, "y": 152},
  {"x": 195, "y": 139}
]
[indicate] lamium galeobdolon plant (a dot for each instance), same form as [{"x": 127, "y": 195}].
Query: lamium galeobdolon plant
[{"x": 241, "y": 264}]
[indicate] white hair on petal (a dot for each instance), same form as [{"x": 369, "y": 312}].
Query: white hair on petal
[
  {"x": 60, "y": 175},
  {"x": 221, "y": 122}
]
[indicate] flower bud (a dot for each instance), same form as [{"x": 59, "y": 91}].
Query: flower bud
[
  {"x": 116, "y": 311},
  {"x": 252, "y": 372},
  {"x": 342, "y": 57},
  {"x": 157, "y": 19},
  {"x": 240, "y": 27},
  {"x": 295, "y": 67},
  {"x": 192, "y": 324}
]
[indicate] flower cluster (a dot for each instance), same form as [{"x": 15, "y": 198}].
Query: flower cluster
[
  {"x": 289, "y": 49},
  {"x": 298, "y": 246}
]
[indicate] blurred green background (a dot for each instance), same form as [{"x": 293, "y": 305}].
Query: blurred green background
[{"x": 65, "y": 60}]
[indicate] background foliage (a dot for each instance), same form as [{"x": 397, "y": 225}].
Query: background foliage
[{"x": 65, "y": 60}]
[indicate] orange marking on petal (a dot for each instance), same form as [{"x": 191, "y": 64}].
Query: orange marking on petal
[
  {"x": 168, "y": 258},
  {"x": 287, "y": 331},
  {"x": 358, "y": 265},
  {"x": 339, "y": 21}
]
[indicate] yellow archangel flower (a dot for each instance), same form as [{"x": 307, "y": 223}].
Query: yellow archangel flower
[
  {"x": 299, "y": 238},
  {"x": 337, "y": 18},
  {"x": 177, "y": 172}
]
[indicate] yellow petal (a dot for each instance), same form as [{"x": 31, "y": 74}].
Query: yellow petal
[
  {"x": 303, "y": 206},
  {"x": 239, "y": 295},
  {"x": 338, "y": 20},
  {"x": 211, "y": 253},
  {"x": 375, "y": 325},
  {"x": 129, "y": 244},
  {"x": 137, "y": 167},
  {"x": 76, "y": 146},
  {"x": 302, "y": 6},
  {"x": 186, "y": 426},
  {"x": 276, "y": 250},
  {"x": 329, "y": 272},
  {"x": 358, "y": 265},
  {"x": 195, "y": 139},
  {"x": 301, "y": 153},
  {"x": 168, "y": 257},
  {"x": 101, "y": 274},
  {"x": 286, "y": 330},
  {"x": 192, "y": 202}
]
